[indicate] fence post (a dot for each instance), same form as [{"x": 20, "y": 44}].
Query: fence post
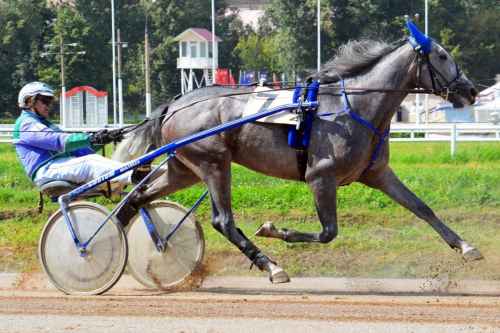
[{"x": 453, "y": 139}]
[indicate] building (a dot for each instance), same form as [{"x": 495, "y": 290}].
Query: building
[
  {"x": 485, "y": 110},
  {"x": 86, "y": 107},
  {"x": 249, "y": 11}
]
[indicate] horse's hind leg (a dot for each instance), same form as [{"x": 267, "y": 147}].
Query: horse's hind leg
[
  {"x": 321, "y": 180},
  {"x": 217, "y": 176},
  {"x": 390, "y": 184},
  {"x": 174, "y": 178}
]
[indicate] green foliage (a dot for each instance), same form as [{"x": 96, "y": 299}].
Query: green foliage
[
  {"x": 284, "y": 43},
  {"x": 256, "y": 52}
]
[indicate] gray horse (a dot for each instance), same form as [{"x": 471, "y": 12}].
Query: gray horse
[{"x": 340, "y": 150}]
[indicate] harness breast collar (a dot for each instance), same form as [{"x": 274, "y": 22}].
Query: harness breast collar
[{"x": 380, "y": 135}]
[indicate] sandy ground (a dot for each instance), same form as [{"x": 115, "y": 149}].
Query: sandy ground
[{"x": 31, "y": 305}]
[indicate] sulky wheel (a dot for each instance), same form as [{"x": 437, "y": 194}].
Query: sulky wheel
[
  {"x": 103, "y": 263},
  {"x": 183, "y": 253}
]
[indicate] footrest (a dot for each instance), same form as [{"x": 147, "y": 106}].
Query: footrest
[{"x": 57, "y": 187}]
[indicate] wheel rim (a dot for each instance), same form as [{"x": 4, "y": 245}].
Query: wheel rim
[
  {"x": 105, "y": 261},
  {"x": 183, "y": 254}
]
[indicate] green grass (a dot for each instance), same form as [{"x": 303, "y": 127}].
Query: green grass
[{"x": 377, "y": 237}]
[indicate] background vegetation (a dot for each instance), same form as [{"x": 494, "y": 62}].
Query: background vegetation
[{"x": 284, "y": 43}]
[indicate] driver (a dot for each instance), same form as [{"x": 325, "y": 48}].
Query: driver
[{"x": 48, "y": 154}]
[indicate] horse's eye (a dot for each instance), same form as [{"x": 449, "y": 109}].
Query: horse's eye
[{"x": 443, "y": 57}]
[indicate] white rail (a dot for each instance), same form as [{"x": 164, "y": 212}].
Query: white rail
[
  {"x": 6, "y": 131},
  {"x": 446, "y": 132},
  {"x": 442, "y": 132}
]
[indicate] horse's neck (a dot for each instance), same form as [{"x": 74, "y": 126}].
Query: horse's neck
[{"x": 394, "y": 71}]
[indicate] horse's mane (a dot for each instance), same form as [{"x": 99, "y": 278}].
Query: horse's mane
[{"x": 354, "y": 58}]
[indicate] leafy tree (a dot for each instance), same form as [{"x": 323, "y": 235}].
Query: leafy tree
[
  {"x": 284, "y": 42},
  {"x": 21, "y": 40}
]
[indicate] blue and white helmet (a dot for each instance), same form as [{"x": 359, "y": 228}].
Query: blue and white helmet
[{"x": 33, "y": 89}]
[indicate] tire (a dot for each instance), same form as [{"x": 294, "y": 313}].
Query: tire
[
  {"x": 184, "y": 251},
  {"x": 107, "y": 252}
]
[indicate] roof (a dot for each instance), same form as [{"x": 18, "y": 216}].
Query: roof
[
  {"x": 488, "y": 94},
  {"x": 87, "y": 89},
  {"x": 199, "y": 32}
]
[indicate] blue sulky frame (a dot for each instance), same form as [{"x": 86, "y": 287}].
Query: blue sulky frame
[{"x": 310, "y": 103}]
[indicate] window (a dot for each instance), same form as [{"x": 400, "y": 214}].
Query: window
[
  {"x": 193, "y": 47},
  {"x": 210, "y": 54},
  {"x": 184, "y": 49},
  {"x": 203, "y": 49}
]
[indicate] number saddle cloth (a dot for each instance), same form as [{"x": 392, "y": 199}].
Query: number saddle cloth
[{"x": 265, "y": 98}]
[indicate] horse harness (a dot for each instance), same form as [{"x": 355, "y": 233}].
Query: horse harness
[
  {"x": 299, "y": 135},
  {"x": 300, "y": 141}
]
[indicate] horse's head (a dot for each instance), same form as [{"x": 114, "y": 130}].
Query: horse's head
[{"x": 437, "y": 70}]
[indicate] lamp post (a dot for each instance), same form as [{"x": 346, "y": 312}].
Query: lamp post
[
  {"x": 213, "y": 41},
  {"x": 417, "y": 96},
  {"x": 147, "y": 62},
  {"x": 426, "y": 18},
  {"x": 319, "y": 35},
  {"x": 113, "y": 45},
  {"x": 61, "y": 53},
  {"x": 120, "y": 45}
]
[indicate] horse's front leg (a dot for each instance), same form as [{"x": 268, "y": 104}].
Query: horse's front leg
[
  {"x": 389, "y": 183},
  {"x": 321, "y": 180}
]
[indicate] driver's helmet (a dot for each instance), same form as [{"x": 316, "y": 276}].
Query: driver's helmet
[{"x": 33, "y": 89}]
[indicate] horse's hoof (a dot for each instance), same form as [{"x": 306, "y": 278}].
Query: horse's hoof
[
  {"x": 267, "y": 230},
  {"x": 278, "y": 275},
  {"x": 472, "y": 254}
]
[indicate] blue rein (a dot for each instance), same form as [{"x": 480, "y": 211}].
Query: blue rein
[{"x": 382, "y": 136}]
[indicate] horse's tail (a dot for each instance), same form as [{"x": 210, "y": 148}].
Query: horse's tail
[{"x": 143, "y": 138}]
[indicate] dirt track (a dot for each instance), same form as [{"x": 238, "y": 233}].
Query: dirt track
[
  {"x": 452, "y": 310},
  {"x": 227, "y": 311}
]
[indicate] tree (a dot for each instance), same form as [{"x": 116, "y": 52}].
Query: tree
[{"x": 22, "y": 30}]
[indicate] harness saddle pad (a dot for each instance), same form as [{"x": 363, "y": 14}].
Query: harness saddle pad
[{"x": 264, "y": 99}]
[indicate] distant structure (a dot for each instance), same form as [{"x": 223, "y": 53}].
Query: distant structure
[
  {"x": 195, "y": 58},
  {"x": 249, "y": 10},
  {"x": 85, "y": 107}
]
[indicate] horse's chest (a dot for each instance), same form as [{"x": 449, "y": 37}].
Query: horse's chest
[{"x": 350, "y": 153}]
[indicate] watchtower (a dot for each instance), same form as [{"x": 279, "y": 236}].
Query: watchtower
[{"x": 195, "y": 55}]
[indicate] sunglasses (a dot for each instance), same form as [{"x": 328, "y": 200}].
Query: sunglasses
[{"x": 45, "y": 100}]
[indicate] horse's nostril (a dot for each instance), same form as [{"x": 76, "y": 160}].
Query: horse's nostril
[{"x": 473, "y": 92}]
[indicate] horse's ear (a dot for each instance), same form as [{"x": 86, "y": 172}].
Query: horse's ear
[{"x": 419, "y": 41}]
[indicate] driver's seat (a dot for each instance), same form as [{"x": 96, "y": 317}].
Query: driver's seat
[{"x": 55, "y": 188}]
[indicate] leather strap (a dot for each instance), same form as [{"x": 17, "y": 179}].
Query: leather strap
[{"x": 302, "y": 157}]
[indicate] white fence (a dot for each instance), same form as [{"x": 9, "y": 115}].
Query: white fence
[
  {"x": 7, "y": 129},
  {"x": 448, "y": 132}
]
